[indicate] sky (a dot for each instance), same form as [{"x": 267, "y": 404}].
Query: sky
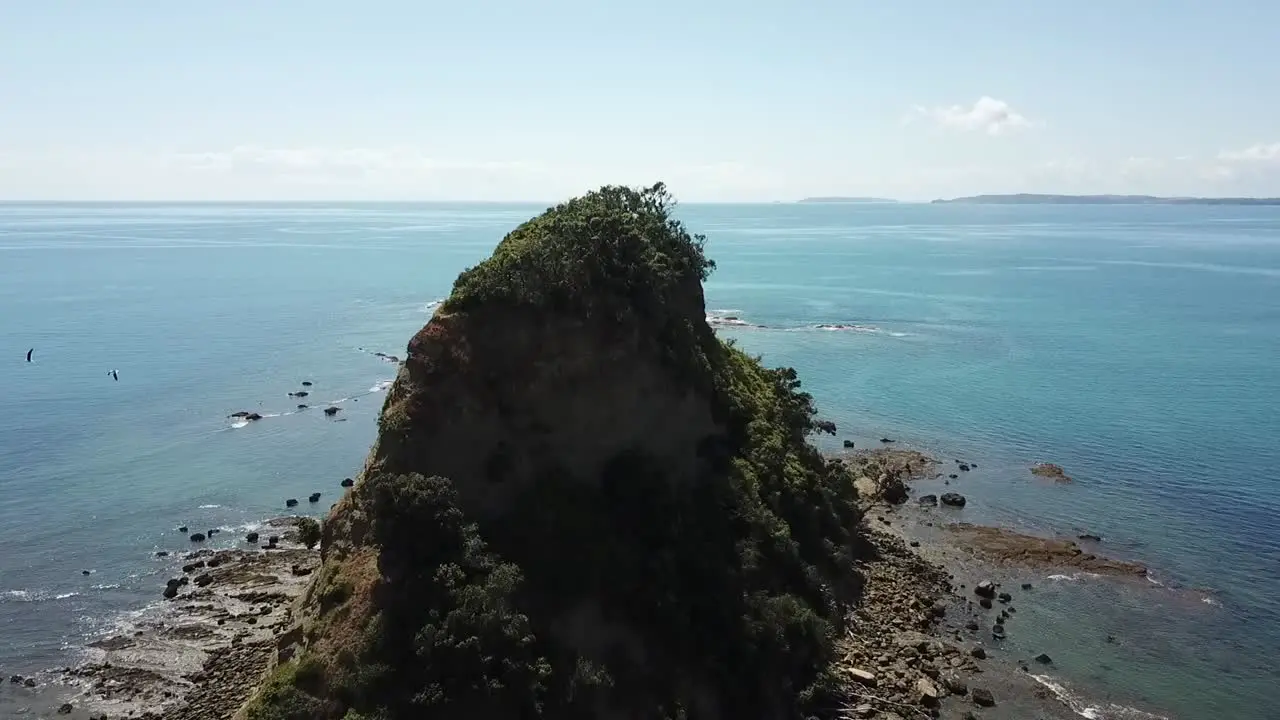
[{"x": 724, "y": 101}]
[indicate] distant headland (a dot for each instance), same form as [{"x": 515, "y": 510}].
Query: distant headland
[
  {"x": 837, "y": 199},
  {"x": 1035, "y": 199}
]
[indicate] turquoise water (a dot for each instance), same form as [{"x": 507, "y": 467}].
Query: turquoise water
[{"x": 1135, "y": 346}]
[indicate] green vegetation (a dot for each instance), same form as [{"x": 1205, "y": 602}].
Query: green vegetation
[
  {"x": 734, "y": 581},
  {"x": 308, "y": 531}
]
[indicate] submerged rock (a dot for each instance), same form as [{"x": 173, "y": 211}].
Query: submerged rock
[
  {"x": 332, "y": 410},
  {"x": 953, "y": 499},
  {"x": 198, "y": 537},
  {"x": 848, "y": 444},
  {"x": 929, "y": 500},
  {"x": 1051, "y": 471}
]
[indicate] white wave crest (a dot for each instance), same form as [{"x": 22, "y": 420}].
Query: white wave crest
[{"x": 1079, "y": 706}]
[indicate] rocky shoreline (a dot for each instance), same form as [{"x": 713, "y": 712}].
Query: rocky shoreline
[
  {"x": 922, "y": 644},
  {"x": 928, "y": 634},
  {"x": 202, "y": 653}
]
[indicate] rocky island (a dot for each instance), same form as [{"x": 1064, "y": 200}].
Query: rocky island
[{"x": 582, "y": 503}]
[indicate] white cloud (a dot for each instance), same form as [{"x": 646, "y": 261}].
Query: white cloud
[
  {"x": 989, "y": 115},
  {"x": 1260, "y": 153}
]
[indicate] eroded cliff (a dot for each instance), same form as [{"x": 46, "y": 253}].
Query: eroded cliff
[{"x": 581, "y": 504}]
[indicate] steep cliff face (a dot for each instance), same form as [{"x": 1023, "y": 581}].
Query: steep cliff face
[{"x": 581, "y": 504}]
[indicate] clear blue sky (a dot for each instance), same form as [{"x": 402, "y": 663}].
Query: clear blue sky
[{"x": 156, "y": 99}]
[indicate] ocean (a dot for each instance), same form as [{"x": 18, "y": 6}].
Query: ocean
[{"x": 1133, "y": 345}]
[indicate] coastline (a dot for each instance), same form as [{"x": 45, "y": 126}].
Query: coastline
[
  {"x": 908, "y": 524},
  {"x": 920, "y": 643},
  {"x": 200, "y": 654}
]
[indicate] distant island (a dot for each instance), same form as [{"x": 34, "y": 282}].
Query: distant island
[
  {"x": 836, "y": 199},
  {"x": 1035, "y": 199}
]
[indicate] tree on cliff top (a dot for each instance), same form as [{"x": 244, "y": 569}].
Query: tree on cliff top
[
  {"x": 615, "y": 252},
  {"x": 735, "y": 580}
]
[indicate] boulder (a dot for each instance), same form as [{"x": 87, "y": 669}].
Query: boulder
[
  {"x": 979, "y": 652},
  {"x": 929, "y": 500},
  {"x": 347, "y": 482},
  {"x": 197, "y": 537},
  {"x": 953, "y": 476},
  {"x": 203, "y": 580},
  {"x": 302, "y": 406},
  {"x": 29, "y": 682},
  {"x": 1026, "y": 586},
  {"x": 964, "y": 467},
  {"x": 997, "y": 631},
  {"x": 331, "y": 410},
  {"x": 1044, "y": 659},
  {"x": 251, "y": 537},
  {"x": 926, "y": 693},
  {"x": 182, "y": 529},
  {"x": 1090, "y": 537},
  {"x": 64, "y": 709},
  {"x": 306, "y": 383},
  {"x": 273, "y": 539},
  {"x": 983, "y": 697},
  {"x": 300, "y": 394},
  {"x": 315, "y": 497},
  {"x": 955, "y": 684},
  {"x": 985, "y": 603},
  {"x": 1005, "y": 597},
  {"x": 986, "y": 589},
  {"x": 848, "y": 444},
  {"x": 865, "y": 677},
  {"x": 953, "y": 499},
  {"x": 162, "y": 553},
  {"x": 291, "y": 502}
]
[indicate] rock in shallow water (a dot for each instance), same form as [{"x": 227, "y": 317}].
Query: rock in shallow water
[
  {"x": 953, "y": 499},
  {"x": 986, "y": 589},
  {"x": 983, "y": 697}
]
